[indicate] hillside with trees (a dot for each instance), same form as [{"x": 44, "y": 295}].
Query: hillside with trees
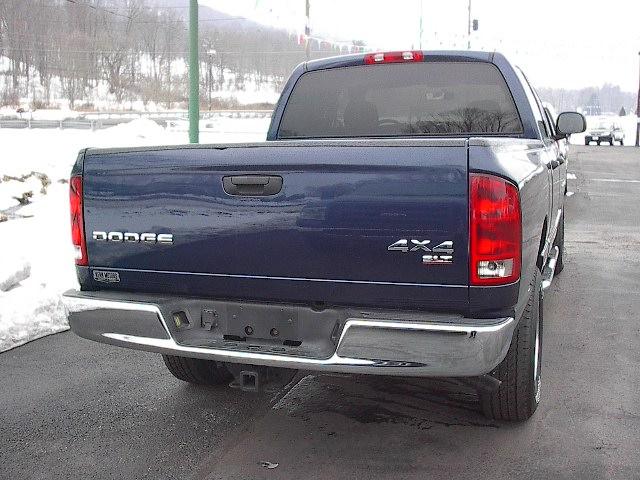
[
  {"x": 606, "y": 99},
  {"x": 130, "y": 50},
  {"x": 92, "y": 54}
]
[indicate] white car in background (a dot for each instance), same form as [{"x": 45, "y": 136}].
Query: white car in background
[{"x": 605, "y": 131}]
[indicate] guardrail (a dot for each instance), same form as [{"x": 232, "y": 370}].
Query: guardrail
[
  {"x": 100, "y": 120},
  {"x": 180, "y": 114},
  {"x": 61, "y": 124}
]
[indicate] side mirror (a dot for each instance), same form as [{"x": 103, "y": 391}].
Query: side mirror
[{"x": 570, "y": 122}]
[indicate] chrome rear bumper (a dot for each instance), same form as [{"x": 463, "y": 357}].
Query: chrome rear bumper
[{"x": 422, "y": 345}]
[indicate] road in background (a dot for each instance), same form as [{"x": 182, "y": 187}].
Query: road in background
[
  {"x": 70, "y": 408},
  {"x": 174, "y": 119}
]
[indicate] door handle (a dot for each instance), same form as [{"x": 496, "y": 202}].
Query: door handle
[{"x": 252, "y": 185}]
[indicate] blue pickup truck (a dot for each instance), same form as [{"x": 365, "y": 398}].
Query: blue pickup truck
[{"x": 404, "y": 217}]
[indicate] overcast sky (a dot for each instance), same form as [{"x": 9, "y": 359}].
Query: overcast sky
[{"x": 558, "y": 43}]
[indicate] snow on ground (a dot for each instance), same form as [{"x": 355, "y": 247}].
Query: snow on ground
[
  {"x": 36, "y": 257},
  {"x": 40, "y": 247},
  {"x": 16, "y": 269},
  {"x": 42, "y": 114}
]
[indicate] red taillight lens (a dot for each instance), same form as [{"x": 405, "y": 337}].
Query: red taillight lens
[
  {"x": 394, "y": 57},
  {"x": 77, "y": 220},
  {"x": 495, "y": 228}
]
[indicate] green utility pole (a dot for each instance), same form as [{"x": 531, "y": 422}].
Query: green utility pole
[{"x": 194, "y": 75}]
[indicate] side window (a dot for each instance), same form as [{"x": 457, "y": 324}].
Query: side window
[
  {"x": 536, "y": 105},
  {"x": 546, "y": 124},
  {"x": 550, "y": 121},
  {"x": 545, "y": 127}
]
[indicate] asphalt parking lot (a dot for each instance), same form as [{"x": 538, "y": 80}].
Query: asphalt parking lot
[{"x": 70, "y": 408}]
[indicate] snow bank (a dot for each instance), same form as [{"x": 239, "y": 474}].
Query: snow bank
[
  {"x": 140, "y": 128},
  {"x": 28, "y": 313},
  {"x": 14, "y": 270},
  {"x": 38, "y": 261},
  {"x": 36, "y": 257}
]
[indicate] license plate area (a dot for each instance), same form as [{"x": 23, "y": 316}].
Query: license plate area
[
  {"x": 255, "y": 327},
  {"x": 258, "y": 322}
]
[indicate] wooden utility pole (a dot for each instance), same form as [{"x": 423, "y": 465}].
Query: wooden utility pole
[
  {"x": 469, "y": 28},
  {"x": 307, "y": 30},
  {"x": 638, "y": 107},
  {"x": 421, "y": 15}
]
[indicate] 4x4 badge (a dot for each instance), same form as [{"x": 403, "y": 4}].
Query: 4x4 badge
[{"x": 438, "y": 254}]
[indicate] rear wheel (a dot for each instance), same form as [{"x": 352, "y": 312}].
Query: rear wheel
[
  {"x": 586, "y": 142},
  {"x": 622, "y": 142},
  {"x": 611, "y": 141},
  {"x": 598, "y": 143},
  {"x": 518, "y": 396},
  {"x": 197, "y": 371}
]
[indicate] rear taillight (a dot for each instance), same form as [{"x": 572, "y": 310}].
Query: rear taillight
[
  {"x": 495, "y": 229},
  {"x": 77, "y": 220},
  {"x": 394, "y": 57}
]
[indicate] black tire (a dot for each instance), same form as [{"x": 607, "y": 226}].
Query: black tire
[
  {"x": 197, "y": 371},
  {"x": 587, "y": 142},
  {"x": 611, "y": 141},
  {"x": 598, "y": 143},
  {"x": 559, "y": 242},
  {"x": 518, "y": 396},
  {"x": 622, "y": 142}
]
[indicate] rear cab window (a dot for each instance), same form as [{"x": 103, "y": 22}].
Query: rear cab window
[{"x": 393, "y": 100}]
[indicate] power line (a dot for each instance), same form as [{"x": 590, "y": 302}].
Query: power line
[
  {"x": 176, "y": 52},
  {"x": 150, "y": 9},
  {"x": 94, "y": 7},
  {"x": 163, "y": 22}
]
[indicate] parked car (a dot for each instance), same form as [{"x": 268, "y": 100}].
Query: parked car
[
  {"x": 605, "y": 132},
  {"x": 403, "y": 218}
]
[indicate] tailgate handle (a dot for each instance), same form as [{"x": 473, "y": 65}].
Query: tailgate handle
[{"x": 252, "y": 185}]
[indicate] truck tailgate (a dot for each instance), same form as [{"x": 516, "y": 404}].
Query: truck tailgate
[{"x": 323, "y": 238}]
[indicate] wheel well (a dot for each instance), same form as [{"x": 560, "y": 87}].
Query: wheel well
[{"x": 540, "y": 259}]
